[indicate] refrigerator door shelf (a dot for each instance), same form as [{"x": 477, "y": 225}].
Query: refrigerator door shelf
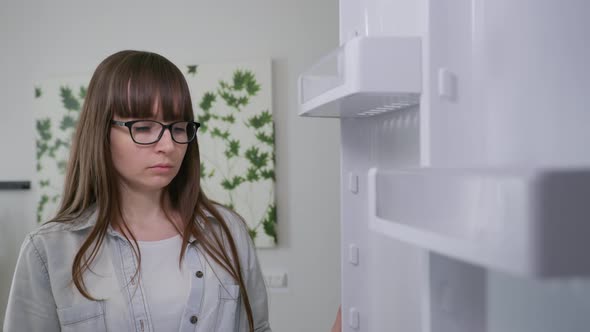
[
  {"x": 366, "y": 76},
  {"x": 528, "y": 222}
]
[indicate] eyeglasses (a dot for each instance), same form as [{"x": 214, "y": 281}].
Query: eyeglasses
[{"x": 147, "y": 132}]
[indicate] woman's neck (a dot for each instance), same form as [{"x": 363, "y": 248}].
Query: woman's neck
[
  {"x": 140, "y": 204},
  {"x": 145, "y": 215}
]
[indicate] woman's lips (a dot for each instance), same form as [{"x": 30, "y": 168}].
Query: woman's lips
[{"x": 162, "y": 167}]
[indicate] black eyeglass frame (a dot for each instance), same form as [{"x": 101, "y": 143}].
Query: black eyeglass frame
[{"x": 129, "y": 124}]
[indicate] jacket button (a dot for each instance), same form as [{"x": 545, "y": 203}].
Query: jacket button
[
  {"x": 199, "y": 274},
  {"x": 194, "y": 319}
]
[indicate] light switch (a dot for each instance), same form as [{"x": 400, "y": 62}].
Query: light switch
[{"x": 275, "y": 279}]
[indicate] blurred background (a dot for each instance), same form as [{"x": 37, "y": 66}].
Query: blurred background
[{"x": 43, "y": 40}]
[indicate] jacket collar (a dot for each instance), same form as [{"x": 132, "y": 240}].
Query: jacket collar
[{"x": 87, "y": 219}]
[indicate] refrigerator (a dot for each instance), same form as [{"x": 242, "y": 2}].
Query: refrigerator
[{"x": 465, "y": 167}]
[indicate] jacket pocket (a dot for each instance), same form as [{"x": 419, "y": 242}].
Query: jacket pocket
[
  {"x": 87, "y": 316},
  {"x": 227, "y": 308}
]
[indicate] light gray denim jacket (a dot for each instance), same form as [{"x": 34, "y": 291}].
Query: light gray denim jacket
[{"x": 44, "y": 298}]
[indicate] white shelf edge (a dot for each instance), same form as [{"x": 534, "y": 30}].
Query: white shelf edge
[
  {"x": 532, "y": 246},
  {"x": 379, "y": 74}
]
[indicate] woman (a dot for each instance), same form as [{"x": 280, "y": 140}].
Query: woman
[{"x": 136, "y": 245}]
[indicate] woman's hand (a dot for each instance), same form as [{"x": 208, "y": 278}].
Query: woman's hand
[{"x": 337, "y": 327}]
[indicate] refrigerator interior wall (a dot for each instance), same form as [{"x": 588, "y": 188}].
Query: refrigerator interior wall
[
  {"x": 509, "y": 83},
  {"x": 382, "y": 280},
  {"x": 465, "y": 297},
  {"x": 523, "y": 305},
  {"x": 537, "y": 77},
  {"x": 519, "y": 78},
  {"x": 381, "y": 18},
  {"x": 392, "y": 286},
  {"x": 454, "y": 121}
]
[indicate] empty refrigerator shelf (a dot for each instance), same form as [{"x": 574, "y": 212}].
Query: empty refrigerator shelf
[
  {"x": 364, "y": 77},
  {"x": 528, "y": 222}
]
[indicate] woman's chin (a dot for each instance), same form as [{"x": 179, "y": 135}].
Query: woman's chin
[{"x": 156, "y": 184}]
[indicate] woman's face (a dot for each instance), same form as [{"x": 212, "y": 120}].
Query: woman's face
[{"x": 145, "y": 167}]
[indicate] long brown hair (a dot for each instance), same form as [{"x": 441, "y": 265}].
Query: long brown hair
[{"x": 128, "y": 84}]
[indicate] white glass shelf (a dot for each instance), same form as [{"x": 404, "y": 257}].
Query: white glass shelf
[
  {"x": 364, "y": 77},
  {"x": 529, "y": 222}
]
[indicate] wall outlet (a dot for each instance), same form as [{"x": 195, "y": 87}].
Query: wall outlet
[{"x": 275, "y": 279}]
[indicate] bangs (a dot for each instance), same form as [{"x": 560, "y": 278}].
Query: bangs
[{"x": 147, "y": 85}]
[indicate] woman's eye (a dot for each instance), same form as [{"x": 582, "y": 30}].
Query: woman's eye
[
  {"x": 143, "y": 129},
  {"x": 179, "y": 130}
]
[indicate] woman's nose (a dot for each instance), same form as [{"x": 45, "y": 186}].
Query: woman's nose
[{"x": 166, "y": 142}]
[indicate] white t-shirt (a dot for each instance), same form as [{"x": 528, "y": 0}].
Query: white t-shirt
[{"x": 166, "y": 285}]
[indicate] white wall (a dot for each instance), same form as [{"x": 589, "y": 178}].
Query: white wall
[{"x": 41, "y": 40}]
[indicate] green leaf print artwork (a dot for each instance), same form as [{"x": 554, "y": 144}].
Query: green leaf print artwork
[
  {"x": 236, "y": 140},
  {"x": 57, "y": 106}
]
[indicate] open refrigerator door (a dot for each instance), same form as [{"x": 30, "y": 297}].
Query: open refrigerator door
[{"x": 465, "y": 176}]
